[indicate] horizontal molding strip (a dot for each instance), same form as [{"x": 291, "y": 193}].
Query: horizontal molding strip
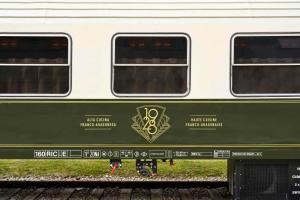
[
  {"x": 149, "y": 146},
  {"x": 148, "y": 9}
]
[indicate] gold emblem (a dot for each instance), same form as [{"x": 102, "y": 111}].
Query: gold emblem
[{"x": 151, "y": 122}]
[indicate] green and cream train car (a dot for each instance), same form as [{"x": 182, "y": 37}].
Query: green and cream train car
[{"x": 152, "y": 79}]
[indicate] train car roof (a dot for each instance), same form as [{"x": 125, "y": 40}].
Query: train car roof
[{"x": 148, "y": 8}]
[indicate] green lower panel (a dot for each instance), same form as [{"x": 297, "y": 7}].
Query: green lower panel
[{"x": 242, "y": 129}]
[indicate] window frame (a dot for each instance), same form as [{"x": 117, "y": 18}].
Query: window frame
[
  {"x": 68, "y": 64},
  {"x": 232, "y": 64},
  {"x": 162, "y": 95}
]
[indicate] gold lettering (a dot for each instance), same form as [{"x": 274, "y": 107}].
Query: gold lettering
[{"x": 150, "y": 117}]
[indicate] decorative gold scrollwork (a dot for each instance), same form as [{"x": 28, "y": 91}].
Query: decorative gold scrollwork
[{"x": 151, "y": 121}]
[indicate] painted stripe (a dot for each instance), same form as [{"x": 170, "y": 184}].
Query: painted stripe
[
  {"x": 149, "y": 146},
  {"x": 271, "y": 101}
]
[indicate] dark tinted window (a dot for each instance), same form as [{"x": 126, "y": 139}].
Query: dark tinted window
[
  {"x": 266, "y": 49},
  {"x": 145, "y": 65},
  {"x": 151, "y": 50},
  {"x": 33, "y": 50},
  {"x": 266, "y": 65},
  {"x": 155, "y": 80},
  {"x": 34, "y": 80},
  {"x": 266, "y": 79},
  {"x": 34, "y": 65}
]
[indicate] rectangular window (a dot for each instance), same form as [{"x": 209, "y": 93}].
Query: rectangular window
[
  {"x": 151, "y": 64},
  {"x": 265, "y": 65},
  {"x": 34, "y": 65},
  {"x": 151, "y": 50}
]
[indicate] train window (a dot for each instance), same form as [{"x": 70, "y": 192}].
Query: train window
[
  {"x": 265, "y": 65},
  {"x": 151, "y": 50},
  {"x": 34, "y": 64},
  {"x": 151, "y": 79},
  {"x": 151, "y": 64}
]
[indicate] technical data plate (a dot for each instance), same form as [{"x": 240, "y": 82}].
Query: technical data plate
[{"x": 190, "y": 129}]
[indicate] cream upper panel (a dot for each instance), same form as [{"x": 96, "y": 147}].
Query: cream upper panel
[
  {"x": 91, "y": 48},
  {"x": 149, "y": 8}
]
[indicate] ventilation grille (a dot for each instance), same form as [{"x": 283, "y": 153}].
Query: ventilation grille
[{"x": 262, "y": 181}]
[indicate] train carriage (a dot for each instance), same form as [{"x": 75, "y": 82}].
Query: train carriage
[{"x": 150, "y": 80}]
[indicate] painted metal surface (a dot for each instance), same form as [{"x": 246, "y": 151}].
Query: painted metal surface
[
  {"x": 138, "y": 128},
  {"x": 151, "y": 8},
  {"x": 225, "y": 126}
]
